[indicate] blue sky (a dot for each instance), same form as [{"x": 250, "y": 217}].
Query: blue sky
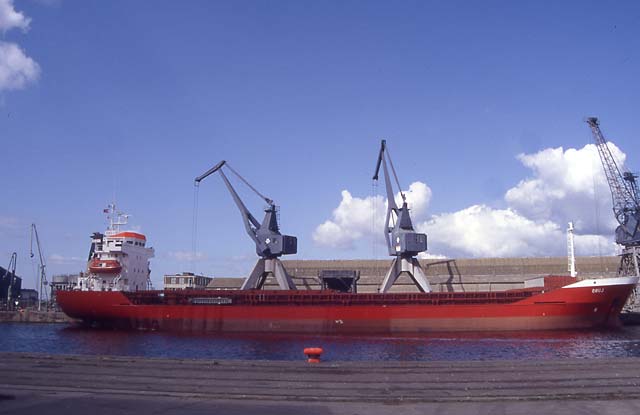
[{"x": 138, "y": 98}]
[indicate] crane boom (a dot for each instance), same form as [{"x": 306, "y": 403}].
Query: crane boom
[
  {"x": 399, "y": 226},
  {"x": 624, "y": 190},
  {"x": 10, "y": 275},
  {"x": 250, "y": 223},
  {"x": 403, "y": 242},
  {"x": 270, "y": 243},
  {"x": 42, "y": 275}
]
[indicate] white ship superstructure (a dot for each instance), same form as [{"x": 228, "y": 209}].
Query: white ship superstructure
[{"x": 118, "y": 260}]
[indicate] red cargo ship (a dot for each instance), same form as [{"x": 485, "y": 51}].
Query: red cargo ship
[
  {"x": 123, "y": 299},
  {"x": 553, "y": 302},
  {"x": 562, "y": 303}
]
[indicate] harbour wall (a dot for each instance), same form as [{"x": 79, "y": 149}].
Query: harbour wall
[
  {"x": 461, "y": 275},
  {"x": 34, "y": 316}
]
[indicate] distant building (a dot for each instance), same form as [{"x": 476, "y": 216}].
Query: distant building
[
  {"x": 10, "y": 285},
  {"x": 186, "y": 280},
  {"x": 28, "y": 298},
  {"x": 63, "y": 282}
]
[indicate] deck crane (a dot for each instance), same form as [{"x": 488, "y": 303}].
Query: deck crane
[
  {"x": 42, "y": 275},
  {"x": 10, "y": 275},
  {"x": 403, "y": 242},
  {"x": 626, "y": 203},
  {"x": 270, "y": 243}
]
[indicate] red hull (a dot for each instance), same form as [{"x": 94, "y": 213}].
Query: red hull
[{"x": 321, "y": 312}]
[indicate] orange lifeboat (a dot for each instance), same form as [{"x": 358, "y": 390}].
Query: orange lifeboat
[{"x": 104, "y": 266}]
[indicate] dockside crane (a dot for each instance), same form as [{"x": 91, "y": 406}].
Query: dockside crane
[
  {"x": 42, "y": 275},
  {"x": 403, "y": 242},
  {"x": 270, "y": 243},
  {"x": 626, "y": 203},
  {"x": 10, "y": 275}
]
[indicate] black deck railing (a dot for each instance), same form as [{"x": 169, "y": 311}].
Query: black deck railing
[{"x": 325, "y": 298}]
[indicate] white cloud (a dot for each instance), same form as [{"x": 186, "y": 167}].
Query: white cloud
[
  {"x": 8, "y": 222},
  {"x": 564, "y": 186},
  {"x": 595, "y": 245},
  {"x": 10, "y": 18},
  {"x": 50, "y": 3},
  {"x": 355, "y": 217},
  {"x": 12, "y": 228},
  {"x": 58, "y": 259},
  {"x": 481, "y": 231},
  {"x": 428, "y": 255},
  {"x": 187, "y": 256},
  {"x": 17, "y": 70}
]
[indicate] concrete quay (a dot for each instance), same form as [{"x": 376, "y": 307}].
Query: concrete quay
[
  {"x": 34, "y": 316},
  {"x": 64, "y": 384}
]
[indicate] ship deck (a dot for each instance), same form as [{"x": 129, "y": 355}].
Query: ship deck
[{"x": 301, "y": 298}]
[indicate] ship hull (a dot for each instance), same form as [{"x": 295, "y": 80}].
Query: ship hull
[{"x": 583, "y": 305}]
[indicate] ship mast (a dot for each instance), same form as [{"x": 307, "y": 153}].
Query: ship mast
[
  {"x": 571, "y": 254},
  {"x": 116, "y": 219}
]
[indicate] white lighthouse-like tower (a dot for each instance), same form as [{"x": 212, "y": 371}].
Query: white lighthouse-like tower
[{"x": 118, "y": 260}]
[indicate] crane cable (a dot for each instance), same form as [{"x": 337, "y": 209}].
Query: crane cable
[
  {"x": 596, "y": 167},
  {"x": 374, "y": 194},
  {"x": 388, "y": 155},
  {"x": 266, "y": 199},
  {"x": 194, "y": 227}
]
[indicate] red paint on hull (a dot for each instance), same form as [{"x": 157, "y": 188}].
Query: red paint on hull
[{"x": 321, "y": 312}]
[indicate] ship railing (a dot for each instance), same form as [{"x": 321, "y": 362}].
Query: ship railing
[{"x": 185, "y": 297}]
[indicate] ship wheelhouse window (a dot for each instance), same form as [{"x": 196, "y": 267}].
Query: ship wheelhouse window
[{"x": 130, "y": 242}]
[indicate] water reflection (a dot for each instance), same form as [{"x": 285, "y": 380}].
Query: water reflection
[{"x": 61, "y": 339}]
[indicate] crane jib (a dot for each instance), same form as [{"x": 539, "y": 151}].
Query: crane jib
[{"x": 624, "y": 190}]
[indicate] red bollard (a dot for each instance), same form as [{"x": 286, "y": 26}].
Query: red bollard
[{"x": 313, "y": 354}]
